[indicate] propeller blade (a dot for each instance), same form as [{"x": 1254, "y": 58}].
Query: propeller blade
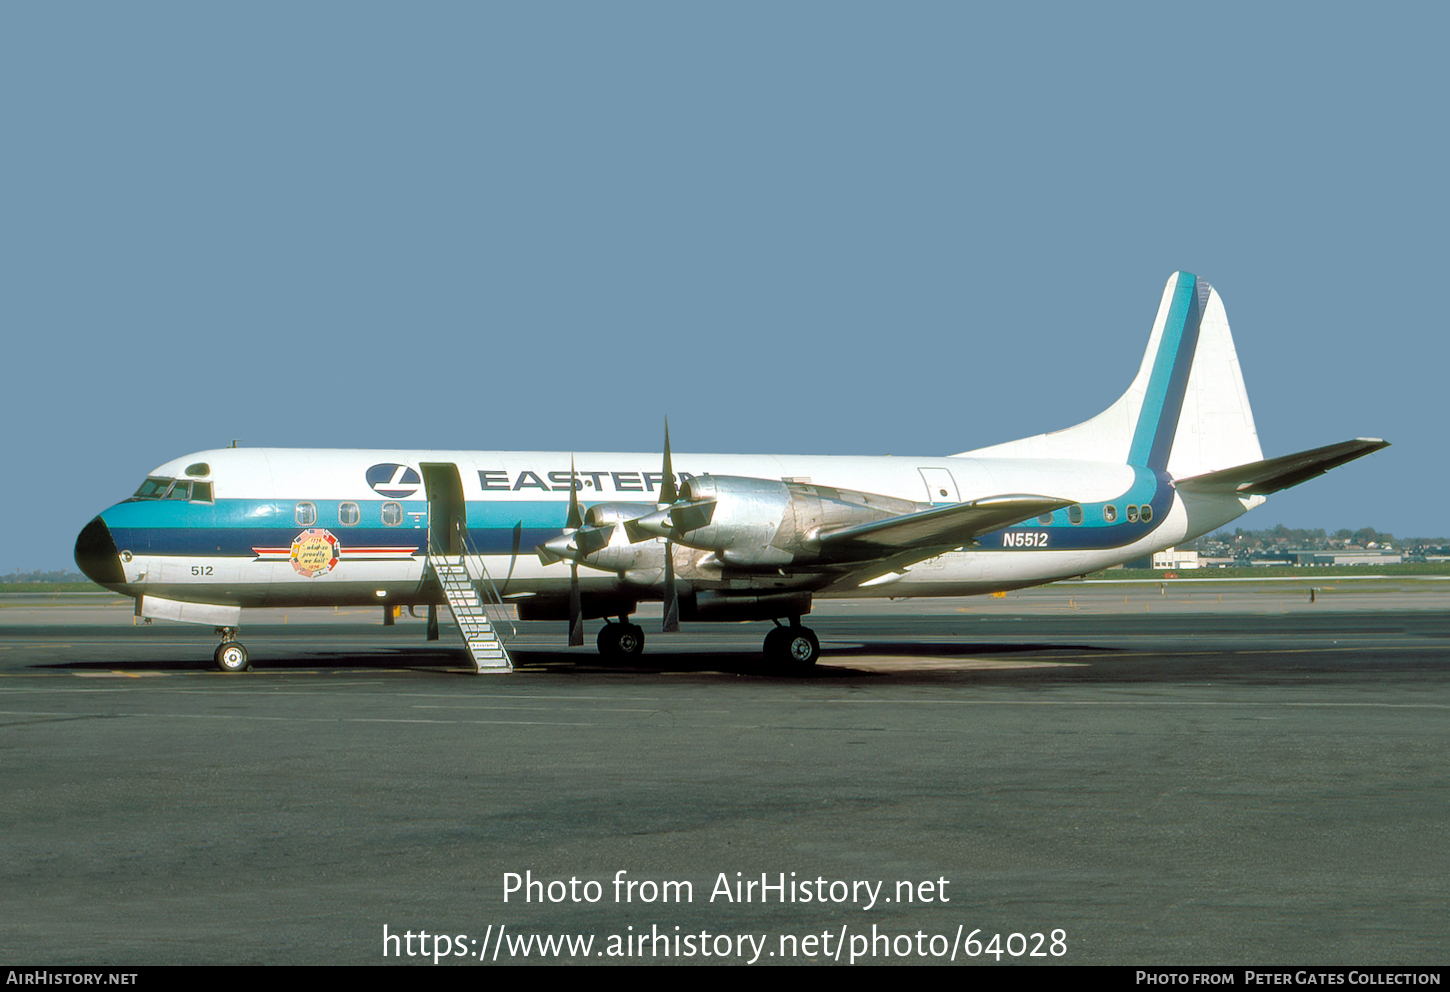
[
  {"x": 591, "y": 539},
  {"x": 672, "y": 593},
  {"x": 576, "y": 609},
  {"x": 658, "y": 526},
  {"x": 576, "y": 519},
  {"x": 668, "y": 492},
  {"x": 668, "y": 495},
  {"x": 692, "y": 516}
]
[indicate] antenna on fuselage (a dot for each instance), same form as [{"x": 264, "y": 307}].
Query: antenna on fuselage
[{"x": 236, "y": 442}]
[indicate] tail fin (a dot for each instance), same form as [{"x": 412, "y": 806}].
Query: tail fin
[{"x": 1187, "y": 410}]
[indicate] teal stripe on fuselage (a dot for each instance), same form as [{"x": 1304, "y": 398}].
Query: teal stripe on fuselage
[{"x": 281, "y": 514}]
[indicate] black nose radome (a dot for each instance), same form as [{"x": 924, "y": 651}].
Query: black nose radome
[{"x": 96, "y": 555}]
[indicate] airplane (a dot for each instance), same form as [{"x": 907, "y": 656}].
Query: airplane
[{"x": 714, "y": 537}]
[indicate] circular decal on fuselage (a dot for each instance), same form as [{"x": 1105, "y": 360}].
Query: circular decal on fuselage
[{"x": 315, "y": 552}]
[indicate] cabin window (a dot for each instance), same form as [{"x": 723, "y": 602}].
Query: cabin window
[
  {"x": 1074, "y": 514},
  {"x": 201, "y": 492},
  {"x": 348, "y": 514},
  {"x": 305, "y": 514},
  {"x": 1045, "y": 519},
  {"x": 1146, "y": 513},
  {"x": 1132, "y": 514},
  {"x": 1110, "y": 513},
  {"x": 153, "y": 488},
  {"x": 182, "y": 490},
  {"x": 198, "y": 470},
  {"x": 392, "y": 514}
]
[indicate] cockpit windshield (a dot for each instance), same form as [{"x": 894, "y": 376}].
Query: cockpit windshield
[{"x": 153, "y": 488}]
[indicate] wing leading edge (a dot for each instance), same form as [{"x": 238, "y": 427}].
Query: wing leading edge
[{"x": 945, "y": 526}]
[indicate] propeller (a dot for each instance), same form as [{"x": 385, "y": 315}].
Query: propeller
[{"x": 568, "y": 545}]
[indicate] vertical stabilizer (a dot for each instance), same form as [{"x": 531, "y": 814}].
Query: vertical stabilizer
[{"x": 1186, "y": 410}]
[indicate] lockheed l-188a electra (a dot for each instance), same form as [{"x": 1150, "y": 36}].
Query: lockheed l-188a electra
[{"x": 557, "y": 536}]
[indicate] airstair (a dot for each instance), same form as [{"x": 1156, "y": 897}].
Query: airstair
[{"x": 471, "y": 598}]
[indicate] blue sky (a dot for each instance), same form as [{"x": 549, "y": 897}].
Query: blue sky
[{"x": 814, "y": 227}]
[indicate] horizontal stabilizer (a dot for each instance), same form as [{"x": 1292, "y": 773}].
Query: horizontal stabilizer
[
  {"x": 944, "y": 526},
  {"x": 1273, "y": 474}
]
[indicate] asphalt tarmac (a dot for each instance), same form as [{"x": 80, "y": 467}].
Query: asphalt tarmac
[{"x": 1161, "y": 776}]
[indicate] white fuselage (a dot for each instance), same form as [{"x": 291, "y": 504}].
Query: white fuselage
[{"x": 297, "y": 527}]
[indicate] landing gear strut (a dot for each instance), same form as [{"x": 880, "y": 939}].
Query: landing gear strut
[
  {"x": 621, "y": 640},
  {"x": 794, "y": 648},
  {"x": 230, "y": 656}
]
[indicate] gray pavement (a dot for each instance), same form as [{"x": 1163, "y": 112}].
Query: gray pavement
[{"x": 1259, "y": 781}]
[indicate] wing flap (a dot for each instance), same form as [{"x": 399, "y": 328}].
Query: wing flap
[
  {"x": 1274, "y": 474},
  {"x": 943, "y": 526}
]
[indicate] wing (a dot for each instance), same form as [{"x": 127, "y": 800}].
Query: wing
[
  {"x": 1273, "y": 474},
  {"x": 931, "y": 530}
]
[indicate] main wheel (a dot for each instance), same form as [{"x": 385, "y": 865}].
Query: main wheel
[
  {"x": 631, "y": 641},
  {"x": 621, "y": 640},
  {"x": 794, "y": 648},
  {"x": 231, "y": 657}
]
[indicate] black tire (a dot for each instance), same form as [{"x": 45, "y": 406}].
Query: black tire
[
  {"x": 621, "y": 640},
  {"x": 774, "y": 649},
  {"x": 609, "y": 640},
  {"x": 231, "y": 657}
]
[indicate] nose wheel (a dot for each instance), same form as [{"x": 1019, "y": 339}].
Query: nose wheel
[{"x": 230, "y": 656}]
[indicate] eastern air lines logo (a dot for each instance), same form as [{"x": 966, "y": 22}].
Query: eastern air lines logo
[{"x": 393, "y": 481}]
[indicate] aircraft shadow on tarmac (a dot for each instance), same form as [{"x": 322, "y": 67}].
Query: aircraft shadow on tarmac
[{"x": 890, "y": 661}]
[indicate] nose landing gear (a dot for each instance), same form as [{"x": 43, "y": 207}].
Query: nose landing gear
[{"x": 230, "y": 656}]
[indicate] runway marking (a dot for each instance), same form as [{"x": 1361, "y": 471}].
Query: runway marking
[
  {"x": 546, "y": 709},
  {"x": 118, "y": 675},
  {"x": 1107, "y": 702},
  {"x": 607, "y": 699},
  {"x": 294, "y": 719},
  {"x": 910, "y": 663}
]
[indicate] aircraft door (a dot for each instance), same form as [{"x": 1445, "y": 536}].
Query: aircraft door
[
  {"x": 941, "y": 488},
  {"x": 446, "y": 509}
]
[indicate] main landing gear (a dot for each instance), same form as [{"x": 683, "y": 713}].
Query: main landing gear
[
  {"x": 230, "y": 656},
  {"x": 622, "y": 640},
  {"x": 794, "y": 648}
]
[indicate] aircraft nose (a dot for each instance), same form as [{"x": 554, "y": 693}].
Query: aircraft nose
[{"x": 96, "y": 555}]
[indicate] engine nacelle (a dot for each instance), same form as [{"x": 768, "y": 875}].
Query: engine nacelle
[
  {"x": 760, "y": 522},
  {"x": 619, "y": 555}
]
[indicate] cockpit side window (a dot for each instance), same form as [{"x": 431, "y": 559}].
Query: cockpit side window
[
  {"x": 201, "y": 492},
  {"x": 182, "y": 491},
  {"x": 153, "y": 488}
]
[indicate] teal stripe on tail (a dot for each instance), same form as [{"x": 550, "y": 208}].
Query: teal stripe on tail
[{"x": 1163, "y": 401}]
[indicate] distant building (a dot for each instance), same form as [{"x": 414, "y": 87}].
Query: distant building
[
  {"x": 1348, "y": 556},
  {"x": 1175, "y": 560}
]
